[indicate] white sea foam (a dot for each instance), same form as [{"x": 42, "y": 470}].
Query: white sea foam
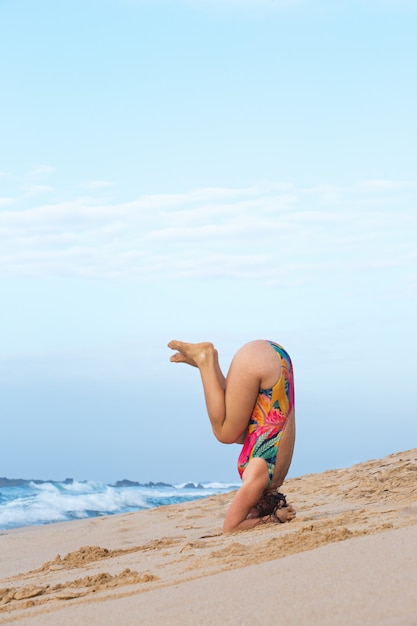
[
  {"x": 81, "y": 487},
  {"x": 84, "y": 486},
  {"x": 221, "y": 486},
  {"x": 42, "y": 503},
  {"x": 49, "y": 503}
]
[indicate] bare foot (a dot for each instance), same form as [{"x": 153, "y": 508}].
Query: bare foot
[{"x": 191, "y": 353}]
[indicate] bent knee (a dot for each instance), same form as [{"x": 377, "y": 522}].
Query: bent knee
[{"x": 225, "y": 437}]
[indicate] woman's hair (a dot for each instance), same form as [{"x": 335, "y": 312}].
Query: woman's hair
[{"x": 270, "y": 501}]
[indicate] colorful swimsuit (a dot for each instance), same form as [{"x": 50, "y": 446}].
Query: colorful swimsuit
[{"x": 269, "y": 417}]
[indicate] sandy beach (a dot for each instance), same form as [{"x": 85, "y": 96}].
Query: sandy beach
[{"x": 348, "y": 558}]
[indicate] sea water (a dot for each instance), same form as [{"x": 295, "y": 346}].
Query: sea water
[{"x": 26, "y": 503}]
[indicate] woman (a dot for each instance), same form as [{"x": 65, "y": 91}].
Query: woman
[{"x": 254, "y": 405}]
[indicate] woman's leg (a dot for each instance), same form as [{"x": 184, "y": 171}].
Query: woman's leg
[
  {"x": 205, "y": 357},
  {"x": 230, "y": 401}
]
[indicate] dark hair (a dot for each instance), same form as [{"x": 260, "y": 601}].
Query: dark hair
[{"x": 269, "y": 502}]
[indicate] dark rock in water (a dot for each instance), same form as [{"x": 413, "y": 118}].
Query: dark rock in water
[
  {"x": 126, "y": 483},
  {"x": 151, "y": 484},
  {"x": 13, "y": 482},
  {"x": 193, "y": 486},
  {"x": 133, "y": 483},
  {"x": 21, "y": 482}
]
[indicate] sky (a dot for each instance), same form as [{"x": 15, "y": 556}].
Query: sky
[{"x": 204, "y": 170}]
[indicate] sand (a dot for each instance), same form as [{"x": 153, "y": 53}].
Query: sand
[{"x": 350, "y": 557}]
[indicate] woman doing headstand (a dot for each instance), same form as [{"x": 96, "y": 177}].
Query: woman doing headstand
[{"x": 253, "y": 405}]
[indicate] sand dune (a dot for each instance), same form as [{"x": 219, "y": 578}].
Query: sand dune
[{"x": 348, "y": 557}]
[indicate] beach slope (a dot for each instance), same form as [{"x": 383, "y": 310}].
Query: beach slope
[{"x": 348, "y": 558}]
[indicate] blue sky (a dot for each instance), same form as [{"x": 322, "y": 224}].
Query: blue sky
[{"x": 203, "y": 171}]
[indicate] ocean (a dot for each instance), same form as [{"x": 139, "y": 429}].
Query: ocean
[{"x": 32, "y": 502}]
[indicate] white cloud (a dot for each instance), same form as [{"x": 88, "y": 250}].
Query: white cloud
[
  {"x": 36, "y": 190},
  {"x": 6, "y": 201},
  {"x": 41, "y": 170},
  {"x": 273, "y": 234}
]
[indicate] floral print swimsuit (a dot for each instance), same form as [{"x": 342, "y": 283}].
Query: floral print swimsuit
[{"x": 269, "y": 417}]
